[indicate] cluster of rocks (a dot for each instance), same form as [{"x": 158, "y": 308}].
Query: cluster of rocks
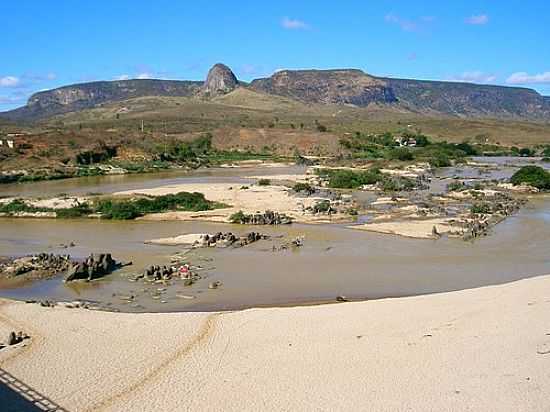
[
  {"x": 229, "y": 239},
  {"x": 294, "y": 243},
  {"x": 267, "y": 218},
  {"x": 15, "y": 338},
  {"x": 156, "y": 273},
  {"x": 95, "y": 266},
  {"x": 39, "y": 266}
]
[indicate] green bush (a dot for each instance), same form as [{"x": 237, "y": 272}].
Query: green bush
[
  {"x": 455, "y": 186},
  {"x": 534, "y": 176},
  {"x": 237, "y": 217},
  {"x": 439, "y": 160},
  {"x": 322, "y": 207},
  {"x": 481, "y": 208},
  {"x": 525, "y": 152},
  {"x": 349, "y": 179},
  {"x": 130, "y": 209},
  {"x": 264, "y": 182},
  {"x": 303, "y": 187},
  {"x": 83, "y": 209},
  {"x": 402, "y": 154}
]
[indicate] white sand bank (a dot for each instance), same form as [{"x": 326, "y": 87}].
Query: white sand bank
[
  {"x": 251, "y": 200},
  {"x": 418, "y": 229},
  {"x": 483, "y": 349}
]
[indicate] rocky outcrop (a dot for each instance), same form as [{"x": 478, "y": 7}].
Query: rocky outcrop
[
  {"x": 94, "y": 267},
  {"x": 88, "y": 95},
  {"x": 352, "y": 87},
  {"x": 41, "y": 266},
  {"x": 220, "y": 80},
  {"x": 267, "y": 218}
]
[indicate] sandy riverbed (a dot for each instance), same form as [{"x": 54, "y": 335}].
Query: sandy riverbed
[
  {"x": 418, "y": 229},
  {"x": 251, "y": 200},
  {"x": 481, "y": 349}
]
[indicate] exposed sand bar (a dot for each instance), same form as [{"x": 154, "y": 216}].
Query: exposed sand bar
[
  {"x": 418, "y": 229},
  {"x": 484, "y": 349},
  {"x": 250, "y": 200}
]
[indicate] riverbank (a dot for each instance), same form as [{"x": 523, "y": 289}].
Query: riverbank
[{"x": 453, "y": 351}]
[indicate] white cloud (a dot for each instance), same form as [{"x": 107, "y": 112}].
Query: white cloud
[
  {"x": 122, "y": 77},
  {"x": 474, "y": 77},
  {"x": 294, "y": 24},
  {"x": 9, "y": 81},
  {"x": 526, "y": 78},
  {"x": 479, "y": 19},
  {"x": 406, "y": 25},
  {"x": 144, "y": 75}
]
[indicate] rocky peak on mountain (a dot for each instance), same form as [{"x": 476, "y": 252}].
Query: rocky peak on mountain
[{"x": 220, "y": 80}]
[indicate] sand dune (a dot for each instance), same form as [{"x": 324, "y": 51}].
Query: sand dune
[{"x": 483, "y": 349}]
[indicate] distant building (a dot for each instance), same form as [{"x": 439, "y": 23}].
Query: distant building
[{"x": 405, "y": 141}]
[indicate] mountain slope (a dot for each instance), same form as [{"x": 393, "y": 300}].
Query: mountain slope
[
  {"x": 87, "y": 95},
  {"x": 327, "y": 86},
  {"x": 466, "y": 99},
  {"x": 318, "y": 87}
]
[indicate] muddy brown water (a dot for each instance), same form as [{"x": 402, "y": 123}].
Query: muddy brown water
[{"x": 335, "y": 260}]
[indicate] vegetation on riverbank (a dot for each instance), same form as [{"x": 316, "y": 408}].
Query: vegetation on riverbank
[
  {"x": 351, "y": 179},
  {"x": 119, "y": 209},
  {"x": 534, "y": 176},
  {"x": 409, "y": 147},
  {"x": 102, "y": 160},
  {"x": 132, "y": 208}
]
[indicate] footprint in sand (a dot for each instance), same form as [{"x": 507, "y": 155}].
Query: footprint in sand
[{"x": 544, "y": 348}]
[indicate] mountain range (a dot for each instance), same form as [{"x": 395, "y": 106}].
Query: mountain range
[{"x": 349, "y": 87}]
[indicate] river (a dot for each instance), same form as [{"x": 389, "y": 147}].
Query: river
[{"x": 334, "y": 261}]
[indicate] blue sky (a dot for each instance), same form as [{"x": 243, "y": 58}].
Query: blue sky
[{"x": 52, "y": 43}]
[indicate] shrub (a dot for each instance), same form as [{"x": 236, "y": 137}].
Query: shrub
[
  {"x": 349, "y": 179},
  {"x": 402, "y": 154},
  {"x": 322, "y": 207},
  {"x": 456, "y": 186},
  {"x": 440, "y": 160},
  {"x": 264, "y": 182},
  {"x": 237, "y": 217},
  {"x": 481, "y": 208},
  {"x": 534, "y": 176},
  {"x": 304, "y": 187},
  {"x": 130, "y": 209},
  {"x": 525, "y": 152},
  {"x": 83, "y": 209}
]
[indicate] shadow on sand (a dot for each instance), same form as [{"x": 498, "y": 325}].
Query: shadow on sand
[{"x": 15, "y": 396}]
